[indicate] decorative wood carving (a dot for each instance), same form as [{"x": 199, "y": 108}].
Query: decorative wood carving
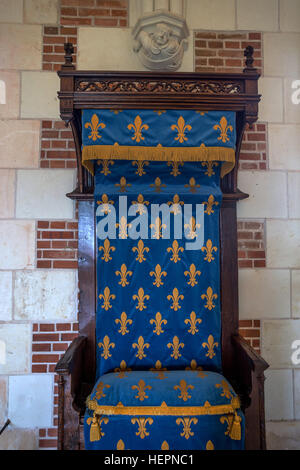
[{"x": 201, "y": 91}]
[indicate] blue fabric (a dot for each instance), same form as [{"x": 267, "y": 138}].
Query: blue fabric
[
  {"x": 174, "y": 388},
  {"x": 160, "y": 127},
  {"x": 200, "y": 344}
]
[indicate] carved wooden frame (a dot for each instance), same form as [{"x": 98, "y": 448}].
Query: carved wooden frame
[{"x": 118, "y": 90}]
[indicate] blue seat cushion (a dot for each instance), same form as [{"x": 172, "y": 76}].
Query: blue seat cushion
[{"x": 190, "y": 409}]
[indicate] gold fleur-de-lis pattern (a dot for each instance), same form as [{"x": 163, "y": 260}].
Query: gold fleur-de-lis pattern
[
  {"x": 94, "y": 125},
  {"x": 158, "y": 274}
]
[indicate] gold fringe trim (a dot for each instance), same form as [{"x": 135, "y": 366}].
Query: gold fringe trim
[
  {"x": 164, "y": 409},
  {"x": 186, "y": 154}
]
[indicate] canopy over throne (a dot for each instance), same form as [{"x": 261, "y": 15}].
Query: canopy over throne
[{"x": 158, "y": 363}]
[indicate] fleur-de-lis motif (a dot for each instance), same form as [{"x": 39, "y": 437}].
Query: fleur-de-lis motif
[
  {"x": 141, "y": 203},
  {"x": 141, "y": 297},
  {"x": 209, "y": 205},
  {"x": 175, "y": 167},
  {"x": 105, "y": 203},
  {"x": 192, "y": 273},
  {"x": 106, "y": 296},
  {"x": 124, "y": 321},
  {"x": 186, "y": 423},
  {"x": 116, "y": 111},
  {"x": 157, "y": 227},
  {"x": 141, "y": 388},
  {"x": 226, "y": 392},
  {"x": 175, "y": 297},
  {"x": 142, "y": 422},
  {"x": 159, "y": 111},
  {"x": 94, "y": 125},
  {"x": 210, "y": 172},
  {"x": 157, "y": 185},
  {"x": 210, "y": 345},
  {"x": 106, "y": 345},
  {"x": 159, "y": 369},
  {"x": 209, "y": 249},
  {"x": 120, "y": 445},
  {"x": 176, "y": 203},
  {"x": 175, "y": 250},
  {"x": 100, "y": 390},
  {"x": 123, "y": 185},
  {"x": 184, "y": 389},
  {"x": 223, "y": 128},
  {"x": 123, "y": 273},
  {"x": 176, "y": 345},
  {"x": 192, "y": 185},
  {"x": 158, "y": 321},
  {"x": 191, "y": 228},
  {"x": 138, "y": 127},
  {"x": 140, "y": 345},
  {"x": 122, "y": 370},
  {"x": 210, "y": 297},
  {"x": 140, "y": 166},
  {"x": 123, "y": 227},
  {"x": 158, "y": 273},
  {"x": 194, "y": 366},
  {"x": 165, "y": 446},
  {"x": 193, "y": 321},
  {"x": 140, "y": 249},
  {"x": 105, "y": 166},
  {"x": 96, "y": 432},
  {"x": 233, "y": 422},
  {"x": 106, "y": 248},
  {"x": 181, "y": 128}
]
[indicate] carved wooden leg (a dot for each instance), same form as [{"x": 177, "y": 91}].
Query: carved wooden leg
[{"x": 255, "y": 415}]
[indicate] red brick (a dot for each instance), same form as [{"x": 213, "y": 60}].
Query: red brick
[
  {"x": 45, "y": 337},
  {"x": 43, "y": 264},
  {"x": 48, "y": 443},
  {"x": 58, "y": 224},
  {"x": 245, "y": 323},
  {"x": 65, "y": 264},
  {"x": 41, "y": 347},
  {"x": 39, "y": 368},
  {"x": 45, "y": 358},
  {"x": 47, "y": 327}
]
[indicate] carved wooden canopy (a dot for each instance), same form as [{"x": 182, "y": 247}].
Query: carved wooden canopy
[{"x": 144, "y": 90}]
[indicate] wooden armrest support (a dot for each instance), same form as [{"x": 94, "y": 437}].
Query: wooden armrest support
[
  {"x": 70, "y": 396},
  {"x": 250, "y": 379}
]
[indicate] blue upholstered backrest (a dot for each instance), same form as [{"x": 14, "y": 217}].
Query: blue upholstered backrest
[{"x": 158, "y": 303}]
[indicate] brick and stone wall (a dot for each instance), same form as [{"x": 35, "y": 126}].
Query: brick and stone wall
[{"x": 38, "y": 224}]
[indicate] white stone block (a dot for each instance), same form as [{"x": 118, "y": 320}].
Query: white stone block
[
  {"x": 3, "y": 400},
  {"x": 39, "y": 95},
  {"x": 7, "y": 193},
  {"x": 19, "y": 143},
  {"x": 294, "y": 195},
  {"x": 259, "y": 15},
  {"x": 283, "y": 243},
  {"x": 20, "y": 47},
  {"x": 9, "y": 94},
  {"x": 278, "y": 337},
  {"x": 272, "y": 293},
  {"x": 289, "y": 15},
  {"x": 43, "y": 295},
  {"x": 41, "y": 194},
  {"x": 17, "y": 340},
  {"x": 279, "y": 395},
  {"x": 5, "y": 295},
  {"x": 296, "y": 294},
  {"x": 283, "y": 435},
  {"x": 41, "y": 11},
  {"x": 270, "y": 108},
  {"x": 11, "y": 11},
  {"x": 297, "y": 396},
  {"x": 292, "y": 100},
  {"x": 17, "y": 244},
  {"x": 30, "y": 400},
  {"x": 281, "y": 54},
  {"x": 284, "y": 147},
  {"x": 19, "y": 439},
  {"x": 211, "y": 14},
  {"x": 267, "y": 194}
]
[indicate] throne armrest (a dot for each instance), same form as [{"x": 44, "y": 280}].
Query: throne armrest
[
  {"x": 70, "y": 394},
  {"x": 249, "y": 378}
]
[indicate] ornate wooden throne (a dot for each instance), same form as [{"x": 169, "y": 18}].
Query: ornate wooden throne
[{"x": 241, "y": 365}]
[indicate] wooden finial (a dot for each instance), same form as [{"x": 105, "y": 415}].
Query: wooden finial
[
  {"x": 248, "y": 53},
  {"x": 69, "y": 50}
]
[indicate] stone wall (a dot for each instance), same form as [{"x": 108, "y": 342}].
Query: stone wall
[{"x": 38, "y": 226}]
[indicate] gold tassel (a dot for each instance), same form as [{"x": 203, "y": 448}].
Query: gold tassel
[
  {"x": 235, "y": 431},
  {"x": 95, "y": 431}
]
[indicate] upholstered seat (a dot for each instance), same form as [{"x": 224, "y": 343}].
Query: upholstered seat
[{"x": 159, "y": 409}]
